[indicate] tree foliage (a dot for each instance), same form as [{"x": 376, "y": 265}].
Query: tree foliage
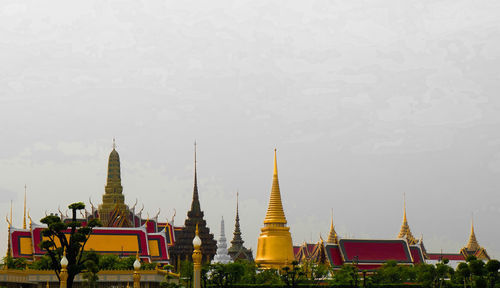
[{"x": 69, "y": 238}]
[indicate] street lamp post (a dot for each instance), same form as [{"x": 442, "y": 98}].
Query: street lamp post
[
  {"x": 197, "y": 260},
  {"x": 137, "y": 275},
  {"x": 63, "y": 275}
]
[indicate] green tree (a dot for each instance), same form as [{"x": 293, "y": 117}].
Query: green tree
[
  {"x": 391, "y": 272},
  {"x": 91, "y": 269},
  {"x": 462, "y": 274},
  {"x": 15, "y": 263},
  {"x": 427, "y": 275},
  {"x": 268, "y": 277},
  {"x": 345, "y": 275},
  {"x": 292, "y": 275},
  {"x": 492, "y": 268},
  {"x": 69, "y": 238}
]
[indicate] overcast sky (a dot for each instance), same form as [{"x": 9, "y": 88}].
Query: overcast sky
[{"x": 365, "y": 101}]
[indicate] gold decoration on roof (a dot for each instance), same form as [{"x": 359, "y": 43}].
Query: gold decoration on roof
[
  {"x": 24, "y": 215},
  {"x": 332, "y": 236},
  {"x": 405, "y": 232},
  {"x": 472, "y": 245},
  {"x": 275, "y": 213}
]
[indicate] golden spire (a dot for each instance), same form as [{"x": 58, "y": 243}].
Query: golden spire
[
  {"x": 405, "y": 232},
  {"x": 332, "y": 237},
  {"x": 274, "y": 247},
  {"x": 275, "y": 213},
  {"x": 10, "y": 212},
  {"x": 472, "y": 245},
  {"x": 404, "y": 209},
  {"x": 24, "y": 217}
]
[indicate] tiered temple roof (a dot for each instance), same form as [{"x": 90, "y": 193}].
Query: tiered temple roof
[
  {"x": 332, "y": 236},
  {"x": 405, "y": 232},
  {"x": 473, "y": 248},
  {"x": 237, "y": 251},
  {"x": 183, "y": 248}
]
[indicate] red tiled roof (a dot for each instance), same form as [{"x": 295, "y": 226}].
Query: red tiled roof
[
  {"x": 416, "y": 254},
  {"x": 449, "y": 256},
  {"x": 296, "y": 249},
  {"x": 333, "y": 253},
  {"x": 374, "y": 251}
]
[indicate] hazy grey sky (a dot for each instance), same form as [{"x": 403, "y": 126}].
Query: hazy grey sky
[{"x": 365, "y": 101}]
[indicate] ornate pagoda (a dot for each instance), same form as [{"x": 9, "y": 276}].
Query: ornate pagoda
[
  {"x": 472, "y": 248},
  {"x": 237, "y": 251},
  {"x": 113, "y": 212},
  {"x": 332, "y": 236},
  {"x": 405, "y": 232},
  {"x": 274, "y": 247},
  {"x": 183, "y": 248}
]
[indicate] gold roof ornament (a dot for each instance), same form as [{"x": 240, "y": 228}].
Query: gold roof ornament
[
  {"x": 332, "y": 236},
  {"x": 405, "y": 232},
  {"x": 24, "y": 217},
  {"x": 275, "y": 213},
  {"x": 472, "y": 245}
]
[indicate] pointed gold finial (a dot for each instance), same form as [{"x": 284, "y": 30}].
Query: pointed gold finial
[
  {"x": 405, "y": 231},
  {"x": 24, "y": 217},
  {"x": 11, "y": 212},
  {"x": 275, "y": 164},
  {"x": 29, "y": 217},
  {"x": 332, "y": 236},
  {"x": 472, "y": 245},
  {"x": 404, "y": 208},
  {"x": 197, "y": 231},
  {"x": 275, "y": 214}
]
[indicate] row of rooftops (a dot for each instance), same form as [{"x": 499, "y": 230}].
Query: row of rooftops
[{"x": 160, "y": 236}]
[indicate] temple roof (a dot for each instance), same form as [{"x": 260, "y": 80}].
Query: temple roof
[
  {"x": 405, "y": 232},
  {"x": 332, "y": 236},
  {"x": 183, "y": 247},
  {"x": 472, "y": 245},
  {"x": 374, "y": 251}
]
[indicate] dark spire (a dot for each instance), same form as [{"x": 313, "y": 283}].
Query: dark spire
[
  {"x": 237, "y": 242},
  {"x": 195, "y": 205}
]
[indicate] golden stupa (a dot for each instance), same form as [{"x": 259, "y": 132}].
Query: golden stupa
[{"x": 274, "y": 247}]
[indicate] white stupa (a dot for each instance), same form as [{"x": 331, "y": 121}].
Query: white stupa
[{"x": 222, "y": 256}]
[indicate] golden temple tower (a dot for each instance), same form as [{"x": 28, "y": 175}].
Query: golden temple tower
[
  {"x": 332, "y": 236},
  {"x": 404, "y": 232},
  {"x": 113, "y": 212},
  {"x": 473, "y": 248},
  {"x": 274, "y": 247}
]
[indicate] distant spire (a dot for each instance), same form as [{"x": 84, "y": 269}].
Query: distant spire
[
  {"x": 11, "y": 212},
  {"x": 472, "y": 245},
  {"x": 332, "y": 236},
  {"x": 275, "y": 214},
  {"x": 405, "y": 231},
  {"x": 24, "y": 217},
  {"x": 222, "y": 256},
  {"x": 237, "y": 242},
  {"x": 404, "y": 209},
  {"x": 114, "y": 143},
  {"x": 195, "y": 204}
]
